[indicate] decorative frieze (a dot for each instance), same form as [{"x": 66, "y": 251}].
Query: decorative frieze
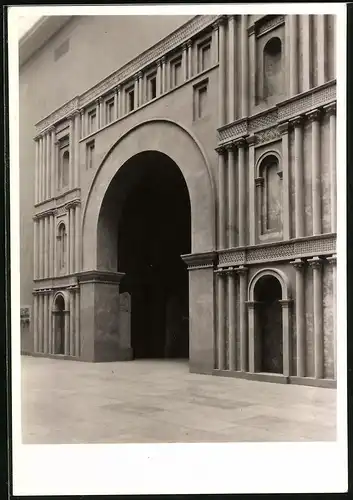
[
  {"x": 325, "y": 95},
  {"x": 59, "y": 114},
  {"x": 294, "y": 249}
]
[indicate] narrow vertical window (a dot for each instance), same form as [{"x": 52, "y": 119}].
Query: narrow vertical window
[
  {"x": 176, "y": 72},
  {"x": 90, "y": 155},
  {"x": 109, "y": 111},
  {"x": 204, "y": 55},
  {"x": 92, "y": 121},
  {"x": 130, "y": 95}
]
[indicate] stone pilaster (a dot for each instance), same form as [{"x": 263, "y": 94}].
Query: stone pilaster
[
  {"x": 48, "y": 166},
  {"x": 77, "y": 323},
  {"x": 251, "y": 141},
  {"x": 243, "y": 323},
  {"x": 72, "y": 151},
  {"x": 333, "y": 261},
  {"x": 140, "y": 88},
  {"x": 331, "y": 110},
  {"x": 286, "y": 329},
  {"x": 36, "y": 171},
  {"x": 40, "y": 322},
  {"x": 252, "y": 329},
  {"x": 46, "y": 323},
  {"x": 159, "y": 89},
  {"x": 231, "y": 69},
  {"x": 314, "y": 117},
  {"x": 77, "y": 237},
  {"x": 190, "y": 58},
  {"x": 232, "y": 354},
  {"x": 321, "y": 49},
  {"x": 307, "y": 51},
  {"x": 67, "y": 331},
  {"x": 293, "y": 56},
  {"x": 83, "y": 129},
  {"x": 53, "y": 162},
  {"x": 35, "y": 321},
  {"x": 244, "y": 51},
  {"x": 231, "y": 197},
  {"x": 241, "y": 144},
  {"x": 35, "y": 247},
  {"x": 221, "y": 199},
  {"x": 286, "y": 217},
  {"x": 222, "y": 74},
  {"x": 299, "y": 264},
  {"x": 72, "y": 323},
  {"x": 163, "y": 71},
  {"x": 221, "y": 323},
  {"x": 215, "y": 43},
  {"x": 316, "y": 264},
  {"x": 299, "y": 177},
  {"x": 100, "y": 113},
  {"x": 184, "y": 61},
  {"x": 77, "y": 149}
]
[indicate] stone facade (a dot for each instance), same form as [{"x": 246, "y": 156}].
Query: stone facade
[{"x": 245, "y": 107}]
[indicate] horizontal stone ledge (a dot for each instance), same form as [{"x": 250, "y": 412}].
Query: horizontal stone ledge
[
  {"x": 200, "y": 260},
  {"x": 96, "y": 276}
]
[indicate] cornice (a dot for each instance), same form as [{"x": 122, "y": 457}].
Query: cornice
[
  {"x": 269, "y": 125},
  {"x": 95, "y": 276},
  {"x": 200, "y": 260},
  {"x": 280, "y": 251},
  {"x": 149, "y": 56}
]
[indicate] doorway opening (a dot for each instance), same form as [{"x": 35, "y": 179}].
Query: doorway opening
[
  {"x": 153, "y": 231},
  {"x": 268, "y": 293},
  {"x": 59, "y": 323}
]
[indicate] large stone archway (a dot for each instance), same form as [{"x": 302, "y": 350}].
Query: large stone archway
[{"x": 101, "y": 276}]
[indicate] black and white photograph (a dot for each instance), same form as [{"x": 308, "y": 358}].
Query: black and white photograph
[{"x": 178, "y": 292}]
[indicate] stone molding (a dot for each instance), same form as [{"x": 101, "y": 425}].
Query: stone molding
[
  {"x": 95, "y": 276},
  {"x": 199, "y": 260},
  {"x": 149, "y": 56},
  {"x": 57, "y": 210},
  {"x": 265, "y": 124},
  {"x": 267, "y": 23},
  {"x": 279, "y": 251}
]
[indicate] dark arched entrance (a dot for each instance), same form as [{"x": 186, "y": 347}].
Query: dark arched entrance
[
  {"x": 154, "y": 230},
  {"x": 268, "y": 293},
  {"x": 59, "y": 325}
]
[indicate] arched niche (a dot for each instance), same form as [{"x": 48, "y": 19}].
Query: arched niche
[{"x": 272, "y": 68}]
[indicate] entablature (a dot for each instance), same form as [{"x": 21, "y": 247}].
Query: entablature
[{"x": 266, "y": 123}]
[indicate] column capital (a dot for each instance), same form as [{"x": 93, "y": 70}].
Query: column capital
[
  {"x": 159, "y": 62},
  {"x": 230, "y": 146},
  {"x": 230, "y": 271},
  {"x": 332, "y": 259},
  {"x": 99, "y": 100},
  {"x": 259, "y": 181},
  {"x": 221, "y": 271},
  {"x": 298, "y": 264},
  {"x": 76, "y": 112},
  {"x": 163, "y": 59},
  {"x": 184, "y": 46},
  {"x": 240, "y": 143},
  {"x": 315, "y": 262},
  {"x": 220, "y": 150},
  {"x": 252, "y": 304},
  {"x": 251, "y": 140},
  {"x": 283, "y": 128},
  {"x": 82, "y": 112},
  {"x": 189, "y": 43},
  {"x": 285, "y": 303},
  {"x": 314, "y": 116},
  {"x": 241, "y": 270},
  {"x": 297, "y": 121},
  {"x": 330, "y": 109},
  {"x": 118, "y": 87},
  {"x": 139, "y": 74},
  {"x": 51, "y": 128}
]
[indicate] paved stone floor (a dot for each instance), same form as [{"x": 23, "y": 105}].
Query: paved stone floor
[{"x": 160, "y": 401}]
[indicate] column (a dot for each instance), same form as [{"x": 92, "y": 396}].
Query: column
[
  {"x": 140, "y": 86},
  {"x": 100, "y": 116},
  {"x": 241, "y": 193},
  {"x": 244, "y": 66},
  {"x": 48, "y": 166},
  {"x": 299, "y": 178},
  {"x": 52, "y": 316},
  {"x": 53, "y": 236},
  {"x": 119, "y": 107},
  {"x": 159, "y": 89},
  {"x": 252, "y": 78},
  {"x": 283, "y": 129},
  {"x": 231, "y": 197},
  {"x": 190, "y": 59},
  {"x": 45, "y": 164},
  {"x": 40, "y": 249},
  {"x": 72, "y": 152},
  {"x": 45, "y": 329},
  {"x": 41, "y": 168},
  {"x": 35, "y": 322},
  {"x": 40, "y": 322},
  {"x": 163, "y": 75},
  {"x": 36, "y": 171},
  {"x": 46, "y": 245},
  {"x": 298, "y": 264},
  {"x": 35, "y": 248},
  {"x": 72, "y": 323},
  {"x": 50, "y": 325},
  {"x": 231, "y": 68},
  {"x": 259, "y": 185},
  {"x": 222, "y": 75},
  {"x": 42, "y": 175},
  {"x": 67, "y": 332},
  {"x": 77, "y": 149},
  {"x": 220, "y": 320},
  {"x": 53, "y": 163},
  {"x": 83, "y": 131},
  {"x": 314, "y": 117},
  {"x": 166, "y": 75},
  {"x": 184, "y": 61},
  {"x": 215, "y": 43},
  {"x": 51, "y": 243},
  {"x": 252, "y": 202},
  {"x": 77, "y": 324},
  {"x": 287, "y": 351},
  {"x": 331, "y": 110},
  {"x": 71, "y": 239},
  {"x": 307, "y": 51},
  {"x": 293, "y": 55},
  {"x": 221, "y": 199},
  {"x": 252, "y": 334},
  {"x": 316, "y": 264},
  {"x": 321, "y": 49},
  {"x": 232, "y": 341},
  {"x": 333, "y": 261},
  {"x": 136, "y": 91},
  {"x": 77, "y": 238},
  {"x": 242, "y": 272},
  {"x": 116, "y": 104}
]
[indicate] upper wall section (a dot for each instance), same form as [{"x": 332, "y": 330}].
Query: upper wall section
[{"x": 85, "y": 51}]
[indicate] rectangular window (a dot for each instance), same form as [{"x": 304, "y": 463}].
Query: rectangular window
[
  {"x": 204, "y": 55},
  {"x": 200, "y": 100},
  {"x": 109, "y": 111},
  {"x": 92, "y": 121},
  {"x": 175, "y": 72},
  {"x": 130, "y": 95},
  {"x": 90, "y": 155},
  {"x": 151, "y": 87}
]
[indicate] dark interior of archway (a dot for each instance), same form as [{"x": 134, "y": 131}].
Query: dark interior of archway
[
  {"x": 268, "y": 292},
  {"x": 154, "y": 230},
  {"x": 60, "y": 325}
]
